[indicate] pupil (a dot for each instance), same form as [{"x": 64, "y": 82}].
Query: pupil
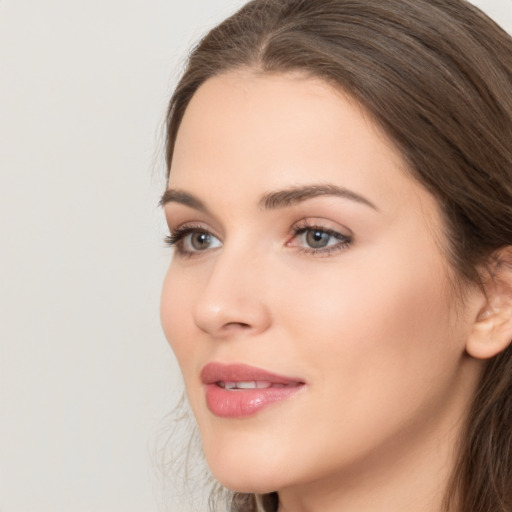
[
  {"x": 200, "y": 241},
  {"x": 317, "y": 239}
]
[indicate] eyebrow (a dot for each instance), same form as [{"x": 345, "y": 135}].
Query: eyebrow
[
  {"x": 273, "y": 200},
  {"x": 182, "y": 197},
  {"x": 294, "y": 195}
]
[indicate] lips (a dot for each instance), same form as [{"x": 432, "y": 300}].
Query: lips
[{"x": 237, "y": 390}]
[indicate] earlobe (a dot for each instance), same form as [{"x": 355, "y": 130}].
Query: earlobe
[{"x": 492, "y": 329}]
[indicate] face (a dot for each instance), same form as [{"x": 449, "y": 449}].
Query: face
[{"x": 308, "y": 300}]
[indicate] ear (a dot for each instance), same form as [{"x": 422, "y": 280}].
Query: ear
[{"x": 492, "y": 329}]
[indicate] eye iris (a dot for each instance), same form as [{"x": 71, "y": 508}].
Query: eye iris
[
  {"x": 317, "y": 239},
  {"x": 200, "y": 241}
]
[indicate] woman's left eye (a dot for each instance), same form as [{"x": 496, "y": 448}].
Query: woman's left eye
[{"x": 318, "y": 240}]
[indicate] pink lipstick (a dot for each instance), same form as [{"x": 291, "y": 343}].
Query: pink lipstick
[{"x": 238, "y": 390}]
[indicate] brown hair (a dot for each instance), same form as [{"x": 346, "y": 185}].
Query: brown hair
[{"x": 437, "y": 76}]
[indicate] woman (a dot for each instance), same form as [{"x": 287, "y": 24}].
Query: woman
[{"x": 340, "y": 296}]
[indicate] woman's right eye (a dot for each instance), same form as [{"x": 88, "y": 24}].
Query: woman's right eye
[{"x": 189, "y": 241}]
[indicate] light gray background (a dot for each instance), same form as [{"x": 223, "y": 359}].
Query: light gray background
[{"x": 86, "y": 376}]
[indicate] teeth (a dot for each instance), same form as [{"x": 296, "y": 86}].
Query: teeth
[{"x": 246, "y": 385}]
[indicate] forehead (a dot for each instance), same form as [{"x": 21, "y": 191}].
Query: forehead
[{"x": 276, "y": 109}]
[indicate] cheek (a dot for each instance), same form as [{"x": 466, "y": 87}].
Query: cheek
[
  {"x": 385, "y": 326},
  {"x": 175, "y": 316}
]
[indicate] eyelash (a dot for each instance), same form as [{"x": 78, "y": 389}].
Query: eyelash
[{"x": 176, "y": 239}]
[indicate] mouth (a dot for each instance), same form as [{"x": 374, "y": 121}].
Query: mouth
[{"x": 237, "y": 391}]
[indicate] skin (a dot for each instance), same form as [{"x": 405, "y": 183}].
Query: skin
[{"x": 373, "y": 327}]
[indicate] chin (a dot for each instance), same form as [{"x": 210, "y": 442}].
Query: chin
[
  {"x": 244, "y": 467},
  {"x": 249, "y": 482}
]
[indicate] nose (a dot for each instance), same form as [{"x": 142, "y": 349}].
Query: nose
[{"x": 233, "y": 300}]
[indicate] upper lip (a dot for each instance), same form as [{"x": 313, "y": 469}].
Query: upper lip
[{"x": 220, "y": 372}]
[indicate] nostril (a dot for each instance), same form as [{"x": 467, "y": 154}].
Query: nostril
[{"x": 237, "y": 325}]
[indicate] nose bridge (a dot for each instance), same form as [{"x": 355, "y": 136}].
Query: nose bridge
[{"x": 233, "y": 299}]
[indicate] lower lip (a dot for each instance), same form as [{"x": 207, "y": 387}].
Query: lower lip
[{"x": 244, "y": 402}]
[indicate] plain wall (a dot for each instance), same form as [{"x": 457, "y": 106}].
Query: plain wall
[{"x": 86, "y": 376}]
